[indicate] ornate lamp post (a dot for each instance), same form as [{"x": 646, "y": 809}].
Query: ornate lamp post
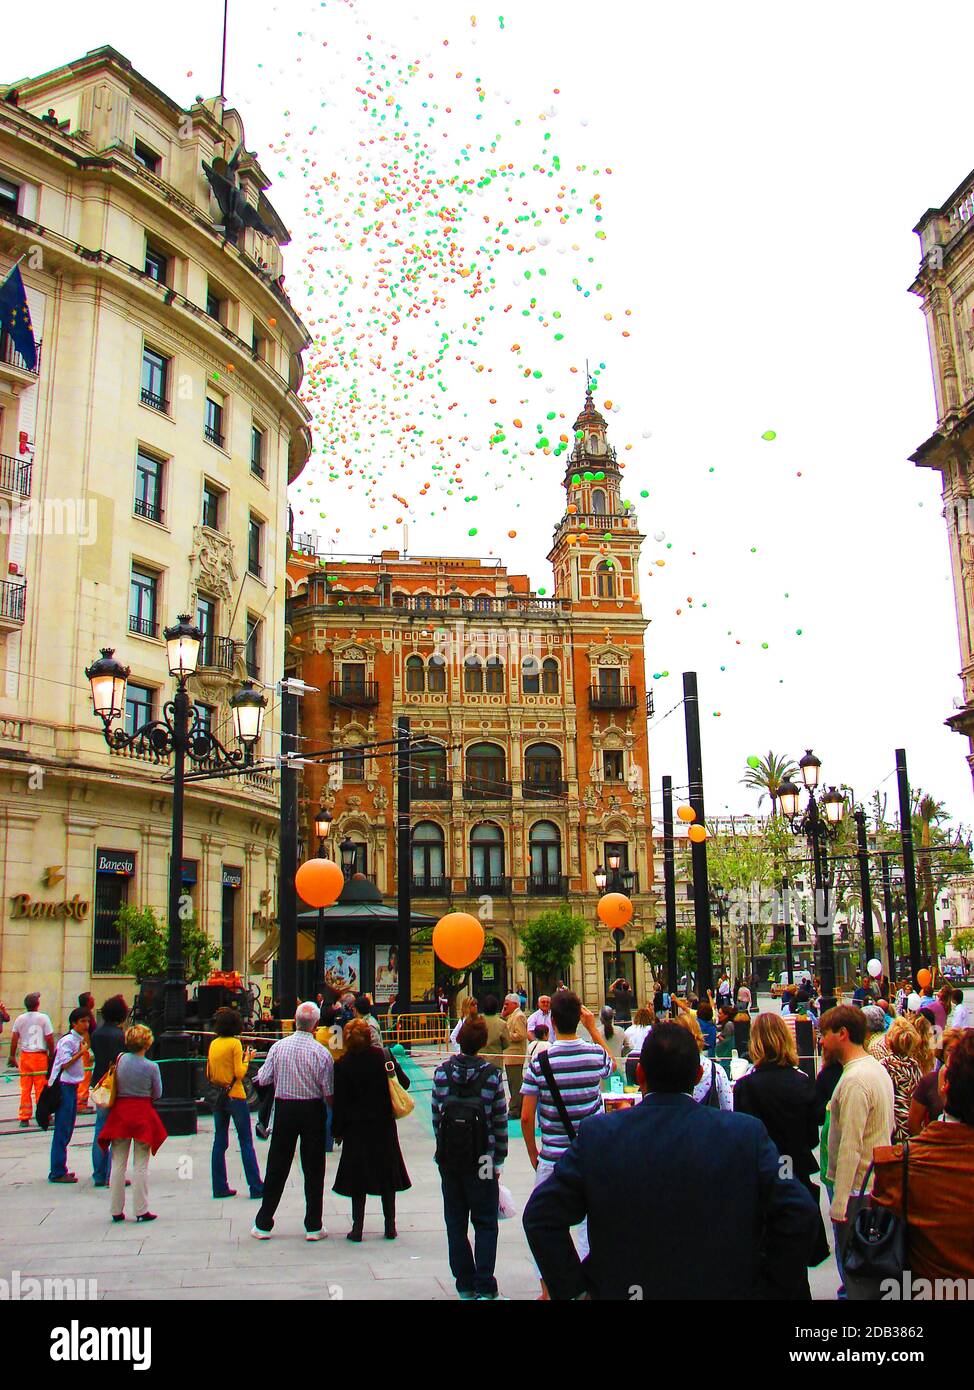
[
  {"x": 819, "y": 823},
  {"x": 180, "y": 733},
  {"x": 323, "y": 820},
  {"x": 718, "y": 899}
]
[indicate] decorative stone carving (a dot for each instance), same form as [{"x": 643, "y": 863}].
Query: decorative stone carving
[
  {"x": 381, "y": 798},
  {"x": 211, "y": 564}
]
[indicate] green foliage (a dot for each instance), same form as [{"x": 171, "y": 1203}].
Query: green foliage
[
  {"x": 548, "y": 942},
  {"x": 147, "y": 956},
  {"x": 963, "y": 939},
  {"x": 451, "y": 980},
  {"x": 768, "y": 776},
  {"x": 653, "y": 947}
]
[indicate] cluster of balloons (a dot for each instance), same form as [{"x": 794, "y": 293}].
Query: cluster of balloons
[{"x": 696, "y": 833}]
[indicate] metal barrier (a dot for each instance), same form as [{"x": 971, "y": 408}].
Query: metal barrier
[{"x": 416, "y": 1028}]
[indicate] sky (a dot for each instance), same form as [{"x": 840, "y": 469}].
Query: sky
[{"x": 719, "y": 222}]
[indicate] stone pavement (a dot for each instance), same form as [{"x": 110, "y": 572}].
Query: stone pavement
[{"x": 201, "y": 1248}]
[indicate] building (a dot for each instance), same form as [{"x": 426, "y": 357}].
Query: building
[
  {"x": 945, "y": 288},
  {"x": 144, "y": 470},
  {"x": 532, "y": 711}
]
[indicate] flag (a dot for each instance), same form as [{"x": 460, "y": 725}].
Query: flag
[{"x": 15, "y": 318}]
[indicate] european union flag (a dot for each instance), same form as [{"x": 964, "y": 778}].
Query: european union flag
[{"x": 15, "y": 318}]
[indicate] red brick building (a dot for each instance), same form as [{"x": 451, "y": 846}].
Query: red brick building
[{"x": 534, "y": 768}]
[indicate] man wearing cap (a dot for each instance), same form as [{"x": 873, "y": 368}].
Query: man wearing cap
[{"x": 514, "y": 1054}]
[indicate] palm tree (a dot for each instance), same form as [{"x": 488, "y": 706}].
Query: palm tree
[{"x": 768, "y": 776}]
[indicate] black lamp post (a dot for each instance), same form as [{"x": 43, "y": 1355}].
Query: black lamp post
[
  {"x": 718, "y": 898},
  {"x": 323, "y": 820},
  {"x": 819, "y": 824},
  {"x": 181, "y": 733},
  {"x": 613, "y": 878}
]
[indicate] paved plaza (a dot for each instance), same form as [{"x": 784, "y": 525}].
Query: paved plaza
[{"x": 202, "y": 1249}]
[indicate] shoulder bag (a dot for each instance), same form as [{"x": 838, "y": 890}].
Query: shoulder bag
[
  {"x": 216, "y": 1094},
  {"x": 104, "y": 1093},
  {"x": 877, "y": 1247},
  {"x": 544, "y": 1062},
  {"x": 402, "y": 1102}
]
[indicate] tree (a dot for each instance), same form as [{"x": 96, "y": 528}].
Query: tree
[
  {"x": 768, "y": 776},
  {"x": 653, "y": 947},
  {"x": 548, "y": 942},
  {"x": 147, "y": 956}
]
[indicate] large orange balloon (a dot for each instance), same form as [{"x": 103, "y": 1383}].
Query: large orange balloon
[
  {"x": 686, "y": 813},
  {"x": 924, "y": 978},
  {"x": 615, "y": 910},
  {"x": 458, "y": 940},
  {"x": 697, "y": 834},
  {"x": 319, "y": 882}
]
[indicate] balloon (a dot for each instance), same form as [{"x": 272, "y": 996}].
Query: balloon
[
  {"x": 924, "y": 978},
  {"x": 614, "y": 910},
  {"x": 697, "y": 834},
  {"x": 458, "y": 940},
  {"x": 753, "y": 761},
  {"x": 874, "y": 968},
  {"x": 319, "y": 882},
  {"x": 769, "y": 434},
  {"x": 686, "y": 813}
]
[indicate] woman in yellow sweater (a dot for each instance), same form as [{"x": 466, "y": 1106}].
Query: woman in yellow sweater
[{"x": 226, "y": 1065}]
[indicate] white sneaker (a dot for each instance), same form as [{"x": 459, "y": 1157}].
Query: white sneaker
[
  {"x": 316, "y": 1235},
  {"x": 258, "y": 1234}
]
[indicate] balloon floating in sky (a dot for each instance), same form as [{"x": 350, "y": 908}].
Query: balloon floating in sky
[
  {"x": 752, "y": 761},
  {"x": 769, "y": 434}
]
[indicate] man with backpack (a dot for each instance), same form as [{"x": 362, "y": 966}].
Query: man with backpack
[{"x": 470, "y": 1127}]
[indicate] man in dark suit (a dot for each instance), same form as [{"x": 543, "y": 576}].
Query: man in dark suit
[{"x": 682, "y": 1201}]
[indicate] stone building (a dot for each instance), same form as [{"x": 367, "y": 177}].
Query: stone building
[{"x": 145, "y": 461}]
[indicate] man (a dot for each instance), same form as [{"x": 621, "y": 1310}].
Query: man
[
  {"x": 652, "y": 1182},
  {"x": 86, "y": 1001},
  {"x": 470, "y": 1128},
  {"x": 71, "y": 1056},
  {"x": 302, "y": 1075},
  {"x": 542, "y": 1014},
  {"x": 929, "y": 1001},
  {"x": 566, "y": 1078},
  {"x": 34, "y": 1034},
  {"x": 522, "y": 995},
  {"x": 860, "y": 1111},
  {"x": 514, "y": 1053},
  {"x": 107, "y": 1041},
  {"x": 346, "y": 1009},
  {"x": 723, "y": 989},
  {"x": 961, "y": 1016},
  {"x": 363, "y": 1009}
]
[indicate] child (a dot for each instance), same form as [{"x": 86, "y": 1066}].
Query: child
[{"x": 540, "y": 1043}]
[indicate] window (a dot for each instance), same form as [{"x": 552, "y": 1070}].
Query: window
[
  {"x": 487, "y": 854},
  {"x": 149, "y": 473},
  {"x": 605, "y": 583},
  {"x": 414, "y": 673},
  {"x": 255, "y": 545},
  {"x": 486, "y": 766},
  {"x": 257, "y": 451},
  {"x": 612, "y": 765},
  {"x": 206, "y": 622},
  {"x": 399, "y": 600},
  {"x": 252, "y": 647},
  {"x": 156, "y": 265},
  {"x": 204, "y": 713},
  {"x": 215, "y": 304},
  {"x": 213, "y": 422},
  {"x": 427, "y": 855},
  {"x": 531, "y": 676},
  {"x": 138, "y": 706},
  {"x": 9, "y": 195},
  {"x": 360, "y": 863},
  {"x": 354, "y": 765},
  {"x": 107, "y": 946},
  {"x": 473, "y": 675},
  {"x": 549, "y": 676},
  {"x": 143, "y": 602},
  {"x": 610, "y": 682},
  {"x": 598, "y": 502},
  {"x": 155, "y": 380},
  {"x": 146, "y": 157},
  {"x": 353, "y": 677},
  {"x": 212, "y": 505},
  {"x": 258, "y": 342},
  {"x": 545, "y": 846},
  {"x": 621, "y": 848},
  {"x": 542, "y": 766},
  {"x": 436, "y": 674},
  {"x": 481, "y": 604},
  {"x": 495, "y": 676},
  {"x": 428, "y": 767}
]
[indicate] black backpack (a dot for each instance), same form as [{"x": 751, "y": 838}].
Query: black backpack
[{"x": 464, "y": 1134}]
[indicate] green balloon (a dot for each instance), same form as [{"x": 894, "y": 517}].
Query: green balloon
[
  {"x": 589, "y": 477},
  {"x": 752, "y": 760}
]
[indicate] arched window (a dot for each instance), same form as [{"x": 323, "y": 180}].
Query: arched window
[
  {"x": 486, "y": 768},
  {"x": 414, "y": 673},
  {"x": 545, "y": 845},
  {"x": 549, "y": 676},
  {"x": 487, "y": 856},
  {"x": 593, "y": 443},
  {"x": 495, "y": 676},
  {"x": 542, "y": 768},
  {"x": 436, "y": 673},
  {"x": 427, "y": 763},
  {"x": 473, "y": 675},
  {"x": 598, "y": 502},
  {"x": 531, "y": 676},
  {"x": 605, "y": 580},
  {"x": 428, "y": 857}
]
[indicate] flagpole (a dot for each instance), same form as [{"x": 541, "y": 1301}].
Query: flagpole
[
  {"x": 223, "y": 61},
  {"x": 14, "y": 267}
]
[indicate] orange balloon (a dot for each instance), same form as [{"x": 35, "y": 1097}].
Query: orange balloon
[
  {"x": 319, "y": 882},
  {"x": 686, "y": 813},
  {"x": 924, "y": 978},
  {"x": 697, "y": 834},
  {"x": 614, "y": 910},
  {"x": 458, "y": 940}
]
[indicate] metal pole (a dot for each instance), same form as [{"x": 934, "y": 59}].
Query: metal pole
[
  {"x": 888, "y": 913},
  {"x": 404, "y": 886},
  {"x": 701, "y": 887},
  {"x": 669, "y": 886},
  {"x": 320, "y": 937},
  {"x": 823, "y": 924},
  {"x": 287, "y": 898},
  {"x": 865, "y": 886},
  {"x": 789, "y": 948},
  {"x": 917, "y": 958},
  {"x": 223, "y": 60}
]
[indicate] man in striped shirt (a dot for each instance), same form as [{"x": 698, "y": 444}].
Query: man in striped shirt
[{"x": 302, "y": 1075}]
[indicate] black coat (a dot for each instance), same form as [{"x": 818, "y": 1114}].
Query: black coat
[{"x": 362, "y": 1119}]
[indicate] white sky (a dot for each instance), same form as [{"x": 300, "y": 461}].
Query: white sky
[{"x": 768, "y": 166}]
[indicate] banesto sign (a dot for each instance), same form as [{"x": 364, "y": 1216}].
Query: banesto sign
[{"x": 78, "y": 908}]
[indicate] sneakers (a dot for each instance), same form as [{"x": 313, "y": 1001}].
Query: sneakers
[
  {"x": 258, "y": 1234},
  {"x": 316, "y": 1235}
]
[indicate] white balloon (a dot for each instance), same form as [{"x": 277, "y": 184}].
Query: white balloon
[
  {"x": 647, "y": 434},
  {"x": 874, "y": 968},
  {"x": 660, "y": 536}
]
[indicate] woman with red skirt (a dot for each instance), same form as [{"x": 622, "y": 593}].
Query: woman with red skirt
[{"x": 133, "y": 1119}]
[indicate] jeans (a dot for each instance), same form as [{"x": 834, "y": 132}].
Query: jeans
[
  {"x": 469, "y": 1198},
  {"x": 64, "y": 1118},
  {"x": 101, "y": 1160},
  {"x": 295, "y": 1120},
  {"x": 240, "y": 1114}
]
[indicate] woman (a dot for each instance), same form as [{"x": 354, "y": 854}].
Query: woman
[
  {"x": 713, "y": 1088},
  {"x": 705, "y": 1019},
  {"x": 498, "y": 1033},
  {"x": 900, "y": 1060},
  {"x": 226, "y": 1065},
  {"x": 133, "y": 1119},
  {"x": 633, "y": 1039},
  {"x": 468, "y": 1009},
  {"x": 783, "y": 1098},
  {"x": 724, "y": 1050},
  {"x": 927, "y": 1104},
  {"x": 362, "y": 1119},
  {"x": 744, "y": 998},
  {"x": 927, "y": 1050},
  {"x": 614, "y": 1037}
]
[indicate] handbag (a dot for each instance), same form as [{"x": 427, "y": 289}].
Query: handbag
[
  {"x": 402, "y": 1102},
  {"x": 216, "y": 1094},
  {"x": 877, "y": 1246},
  {"x": 103, "y": 1095}
]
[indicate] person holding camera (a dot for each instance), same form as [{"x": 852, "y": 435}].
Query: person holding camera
[{"x": 226, "y": 1065}]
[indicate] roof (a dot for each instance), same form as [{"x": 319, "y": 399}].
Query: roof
[
  {"x": 590, "y": 416},
  {"x": 351, "y": 913}
]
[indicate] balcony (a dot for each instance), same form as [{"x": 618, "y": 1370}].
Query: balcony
[
  {"x": 13, "y": 604},
  {"x": 143, "y": 627},
  {"x": 10, "y": 357},
  {"x": 354, "y": 694},
  {"x": 149, "y": 511},
  {"x": 612, "y": 697},
  {"x": 430, "y": 788},
  {"x": 479, "y": 790},
  {"x": 430, "y": 887},
  {"x": 15, "y": 475},
  {"x": 155, "y": 402},
  {"x": 536, "y": 789},
  {"x": 478, "y": 884},
  {"x": 548, "y": 885},
  {"x": 213, "y": 436},
  {"x": 218, "y": 653}
]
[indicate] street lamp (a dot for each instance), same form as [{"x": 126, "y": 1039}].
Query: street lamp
[
  {"x": 818, "y": 829},
  {"x": 181, "y": 733},
  {"x": 323, "y": 820},
  {"x": 718, "y": 898},
  {"x": 601, "y": 878},
  {"x": 349, "y": 854}
]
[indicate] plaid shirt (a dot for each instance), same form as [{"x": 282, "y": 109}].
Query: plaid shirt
[{"x": 299, "y": 1069}]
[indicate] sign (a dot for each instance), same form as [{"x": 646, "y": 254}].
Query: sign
[
  {"x": 232, "y": 878},
  {"x": 343, "y": 968},
  {"x": 115, "y": 861},
  {"x": 421, "y": 975},
  {"x": 78, "y": 908},
  {"x": 386, "y": 983},
  {"x": 188, "y": 870}
]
